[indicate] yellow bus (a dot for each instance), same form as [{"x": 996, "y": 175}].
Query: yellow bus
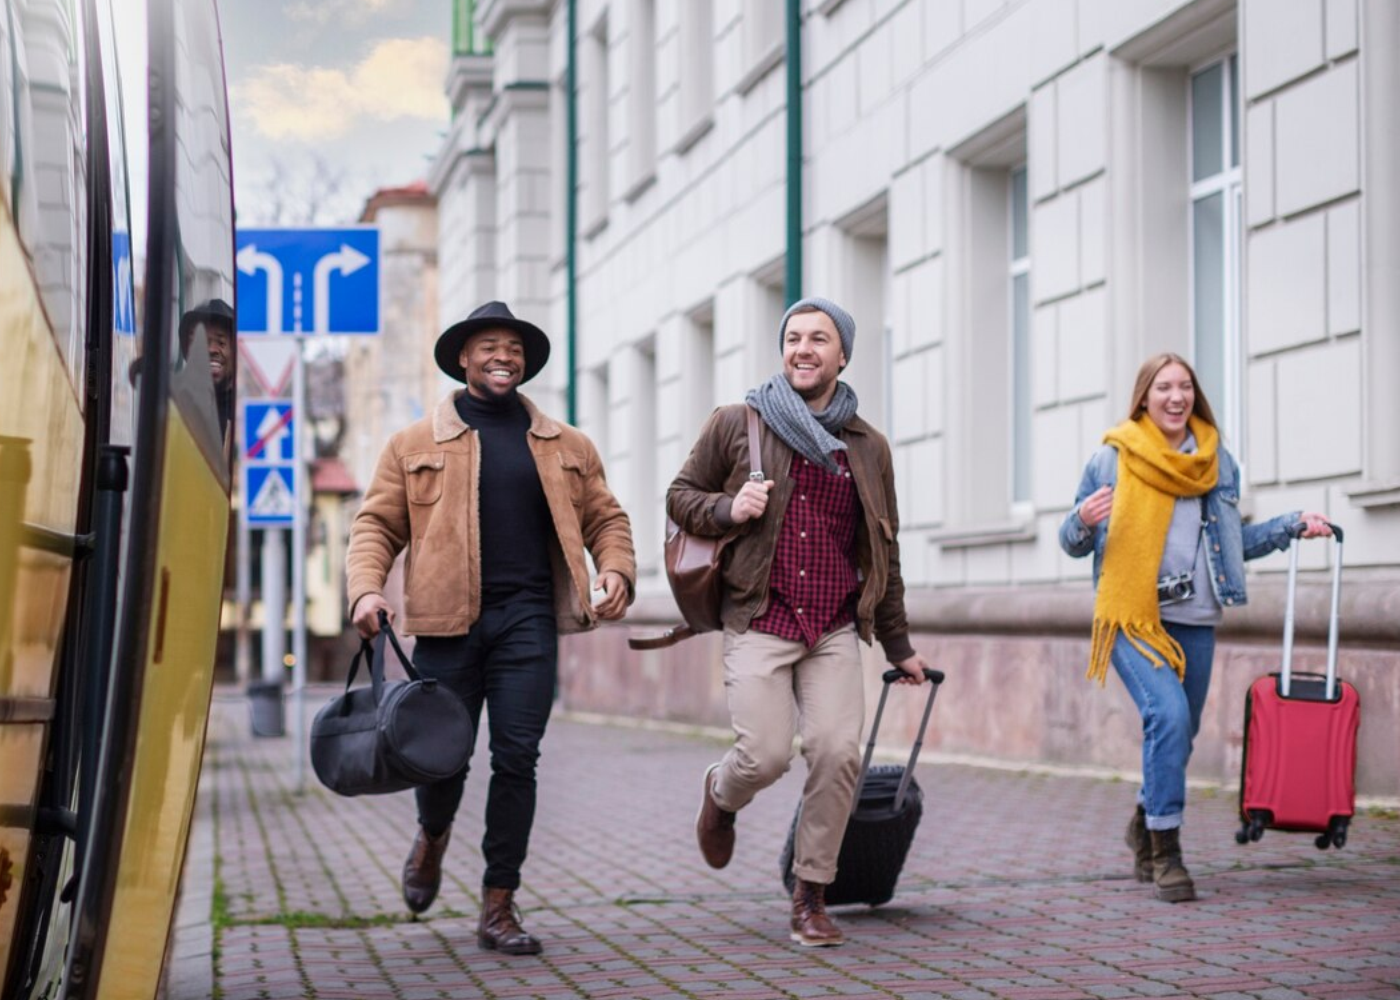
[{"x": 116, "y": 374}]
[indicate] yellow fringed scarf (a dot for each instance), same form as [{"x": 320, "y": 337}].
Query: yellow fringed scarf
[{"x": 1151, "y": 475}]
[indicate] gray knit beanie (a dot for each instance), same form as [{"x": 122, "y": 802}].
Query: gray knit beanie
[{"x": 845, "y": 325}]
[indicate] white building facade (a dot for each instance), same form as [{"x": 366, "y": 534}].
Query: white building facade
[{"x": 1019, "y": 202}]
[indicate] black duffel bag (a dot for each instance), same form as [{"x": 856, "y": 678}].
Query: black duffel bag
[{"x": 389, "y": 736}]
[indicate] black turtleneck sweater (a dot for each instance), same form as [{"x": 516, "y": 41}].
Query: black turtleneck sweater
[{"x": 515, "y": 526}]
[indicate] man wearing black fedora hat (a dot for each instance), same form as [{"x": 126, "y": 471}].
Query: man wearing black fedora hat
[{"x": 496, "y": 504}]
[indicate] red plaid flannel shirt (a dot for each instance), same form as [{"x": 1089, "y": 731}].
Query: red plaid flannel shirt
[{"x": 813, "y": 586}]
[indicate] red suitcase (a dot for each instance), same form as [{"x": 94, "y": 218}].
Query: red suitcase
[{"x": 1299, "y": 767}]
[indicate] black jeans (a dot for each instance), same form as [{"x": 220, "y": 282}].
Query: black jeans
[{"x": 508, "y": 661}]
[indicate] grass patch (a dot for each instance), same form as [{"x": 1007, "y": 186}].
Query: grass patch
[{"x": 303, "y": 920}]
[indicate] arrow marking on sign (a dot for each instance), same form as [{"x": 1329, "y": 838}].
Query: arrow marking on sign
[
  {"x": 347, "y": 260},
  {"x": 272, "y": 430},
  {"x": 250, "y": 261}
]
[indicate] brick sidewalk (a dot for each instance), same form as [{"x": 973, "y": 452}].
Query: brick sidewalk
[{"x": 1018, "y": 886}]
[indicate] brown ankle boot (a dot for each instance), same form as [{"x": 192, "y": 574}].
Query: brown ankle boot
[
  {"x": 1174, "y": 883},
  {"x": 499, "y": 928},
  {"x": 714, "y": 827},
  {"x": 811, "y": 927},
  {"x": 422, "y": 872},
  {"x": 1140, "y": 844}
]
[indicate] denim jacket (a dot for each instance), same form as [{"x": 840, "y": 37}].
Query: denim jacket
[{"x": 1229, "y": 542}]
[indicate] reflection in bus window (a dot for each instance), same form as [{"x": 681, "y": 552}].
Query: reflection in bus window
[
  {"x": 204, "y": 273},
  {"x": 48, "y": 173}
]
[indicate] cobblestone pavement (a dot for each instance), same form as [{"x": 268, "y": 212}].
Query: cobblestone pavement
[{"x": 1017, "y": 886}]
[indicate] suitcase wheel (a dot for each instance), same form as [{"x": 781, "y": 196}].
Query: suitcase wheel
[
  {"x": 1256, "y": 827},
  {"x": 1323, "y": 841}
]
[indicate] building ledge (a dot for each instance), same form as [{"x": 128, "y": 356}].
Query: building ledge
[
  {"x": 1376, "y": 493},
  {"x": 973, "y": 536},
  {"x": 1370, "y": 611}
]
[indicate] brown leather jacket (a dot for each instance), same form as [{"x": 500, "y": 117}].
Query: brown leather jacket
[
  {"x": 424, "y": 497},
  {"x": 703, "y": 492}
]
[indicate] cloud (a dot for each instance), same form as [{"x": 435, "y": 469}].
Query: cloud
[
  {"x": 342, "y": 11},
  {"x": 400, "y": 78}
]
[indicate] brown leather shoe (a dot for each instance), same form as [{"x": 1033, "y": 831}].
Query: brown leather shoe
[
  {"x": 811, "y": 927},
  {"x": 1169, "y": 872},
  {"x": 499, "y": 928},
  {"x": 1140, "y": 844},
  {"x": 714, "y": 827},
  {"x": 422, "y": 872}
]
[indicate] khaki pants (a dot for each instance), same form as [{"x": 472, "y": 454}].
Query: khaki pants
[{"x": 777, "y": 688}]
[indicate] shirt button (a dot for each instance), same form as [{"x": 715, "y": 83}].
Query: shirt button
[
  {"x": 1212, "y": 517},
  {"x": 1229, "y": 600},
  {"x": 799, "y": 611},
  {"x": 802, "y": 572},
  {"x": 803, "y": 496},
  {"x": 802, "y": 534},
  {"x": 1221, "y": 577},
  {"x": 1217, "y": 548}
]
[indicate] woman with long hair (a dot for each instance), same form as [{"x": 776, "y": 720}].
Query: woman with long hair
[{"x": 1159, "y": 508}]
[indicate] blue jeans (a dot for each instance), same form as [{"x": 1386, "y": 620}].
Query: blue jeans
[
  {"x": 1171, "y": 716},
  {"x": 509, "y": 662}
]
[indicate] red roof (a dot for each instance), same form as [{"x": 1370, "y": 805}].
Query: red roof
[
  {"x": 329, "y": 475},
  {"x": 410, "y": 194}
]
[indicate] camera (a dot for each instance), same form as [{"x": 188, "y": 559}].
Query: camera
[{"x": 1175, "y": 589}]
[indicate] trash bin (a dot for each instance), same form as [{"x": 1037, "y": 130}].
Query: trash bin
[{"x": 265, "y": 701}]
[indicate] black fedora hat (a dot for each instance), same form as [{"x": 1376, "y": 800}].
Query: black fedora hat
[
  {"x": 214, "y": 311},
  {"x": 492, "y": 316}
]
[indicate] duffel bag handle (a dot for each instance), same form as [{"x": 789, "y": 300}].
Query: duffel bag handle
[
  {"x": 387, "y": 630},
  {"x": 935, "y": 678},
  {"x": 376, "y": 671}
]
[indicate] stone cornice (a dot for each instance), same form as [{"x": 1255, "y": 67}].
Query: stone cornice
[{"x": 492, "y": 15}]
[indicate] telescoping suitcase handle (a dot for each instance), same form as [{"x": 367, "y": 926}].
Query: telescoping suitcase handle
[
  {"x": 1285, "y": 680},
  {"x": 935, "y": 678}
]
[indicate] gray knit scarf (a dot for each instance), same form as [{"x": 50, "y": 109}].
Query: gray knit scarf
[{"x": 811, "y": 435}]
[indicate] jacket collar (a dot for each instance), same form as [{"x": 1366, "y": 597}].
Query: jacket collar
[{"x": 448, "y": 423}]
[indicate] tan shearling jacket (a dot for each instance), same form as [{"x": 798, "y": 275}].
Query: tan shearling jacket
[{"x": 424, "y": 498}]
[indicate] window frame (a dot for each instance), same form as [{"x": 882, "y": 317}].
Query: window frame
[
  {"x": 1019, "y": 267},
  {"x": 1228, "y": 182}
]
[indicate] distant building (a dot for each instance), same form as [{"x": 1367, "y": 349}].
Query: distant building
[
  {"x": 390, "y": 380},
  {"x": 1019, "y": 201}
]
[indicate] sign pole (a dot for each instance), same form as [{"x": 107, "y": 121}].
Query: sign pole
[
  {"x": 274, "y": 590},
  {"x": 243, "y": 598},
  {"x": 299, "y": 567}
]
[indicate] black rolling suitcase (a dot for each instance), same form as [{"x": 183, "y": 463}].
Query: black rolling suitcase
[{"x": 887, "y": 808}]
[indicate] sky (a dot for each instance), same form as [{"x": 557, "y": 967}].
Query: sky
[{"x": 327, "y": 90}]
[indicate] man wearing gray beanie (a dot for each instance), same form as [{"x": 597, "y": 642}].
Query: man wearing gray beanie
[{"x": 812, "y": 567}]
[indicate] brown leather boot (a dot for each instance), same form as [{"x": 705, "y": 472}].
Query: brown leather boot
[
  {"x": 499, "y": 928},
  {"x": 1174, "y": 883},
  {"x": 422, "y": 872},
  {"x": 811, "y": 927},
  {"x": 714, "y": 827},
  {"x": 1140, "y": 844}
]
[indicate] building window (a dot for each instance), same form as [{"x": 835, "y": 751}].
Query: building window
[
  {"x": 1216, "y": 206},
  {"x": 641, "y": 96},
  {"x": 594, "y": 147},
  {"x": 762, "y": 33},
  {"x": 697, "y": 71},
  {"x": 1019, "y": 275}
]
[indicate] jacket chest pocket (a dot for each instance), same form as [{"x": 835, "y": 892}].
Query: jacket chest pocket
[
  {"x": 572, "y": 469},
  {"x": 423, "y": 477}
]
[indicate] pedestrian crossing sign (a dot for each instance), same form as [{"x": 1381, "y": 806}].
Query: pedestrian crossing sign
[{"x": 270, "y": 491}]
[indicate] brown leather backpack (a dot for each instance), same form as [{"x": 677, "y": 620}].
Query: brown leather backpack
[{"x": 694, "y": 569}]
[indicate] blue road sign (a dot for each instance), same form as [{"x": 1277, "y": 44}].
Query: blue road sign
[
  {"x": 271, "y": 494},
  {"x": 308, "y": 280},
  {"x": 269, "y": 432}
]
